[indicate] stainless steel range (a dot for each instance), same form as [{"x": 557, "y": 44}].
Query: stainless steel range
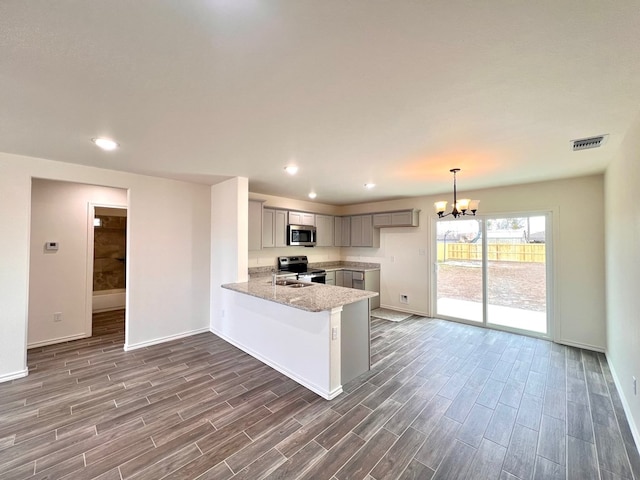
[{"x": 300, "y": 266}]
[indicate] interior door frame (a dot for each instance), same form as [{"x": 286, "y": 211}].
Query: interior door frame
[
  {"x": 91, "y": 213},
  {"x": 551, "y": 233}
]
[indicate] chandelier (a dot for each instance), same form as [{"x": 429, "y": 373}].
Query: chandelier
[{"x": 463, "y": 206}]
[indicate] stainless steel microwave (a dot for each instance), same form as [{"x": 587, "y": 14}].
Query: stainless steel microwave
[{"x": 303, "y": 235}]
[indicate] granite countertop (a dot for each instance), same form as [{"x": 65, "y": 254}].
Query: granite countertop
[{"x": 316, "y": 297}]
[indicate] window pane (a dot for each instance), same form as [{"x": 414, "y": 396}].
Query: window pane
[
  {"x": 459, "y": 269},
  {"x": 516, "y": 273}
]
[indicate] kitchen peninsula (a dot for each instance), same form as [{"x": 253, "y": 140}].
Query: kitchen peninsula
[{"x": 316, "y": 334}]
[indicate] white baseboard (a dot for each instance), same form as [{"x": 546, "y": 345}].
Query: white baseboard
[
  {"x": 328, "y": 395},
  {"x": 404, "y": 310},
  {"x": 156, "y": 341},
  {"x": 7, "y": 377},
  {"x": 625, "y": 406},
  {"x": 53, "y": 341},
  {"x": 585, "y": 346}
]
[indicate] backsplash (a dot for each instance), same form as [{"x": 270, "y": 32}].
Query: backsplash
[{"x": 333, "y": 264}]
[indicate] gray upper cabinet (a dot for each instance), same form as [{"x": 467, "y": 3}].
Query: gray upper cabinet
[
  {"x": 268, "y": 226},
  {"x": 342, "y": 232},
  {"x": 404, "y": 218},
  {"x": 281, "y": 228},
  {"x": 274, "y": 228},
  {"x": 255, "y": 225},
  {"x": 302, "y": 218},
  {"x": 362, "y": 232},
  {"x": 324, "y": 231},
  {"x": 356, "y": 231}
]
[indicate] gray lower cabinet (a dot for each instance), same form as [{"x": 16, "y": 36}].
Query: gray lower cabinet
[
  {"x": 361, "y": 280},
  {"x": 331, "y": 278},
  {"x": 372, "y": 283},
  {"x": 355, "y": 344},
  {"x": 367, "y": 281},
  {"x": 344, "y": 278},
  {"x": 357, "y": 280},
  {"x": 347, "y": 278}
]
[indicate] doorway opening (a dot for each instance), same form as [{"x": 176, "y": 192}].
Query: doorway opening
[
  {"x": 61, "y": 258},
  {"x": 109, "y": 272},
  {"x": 494, "y": 271}
]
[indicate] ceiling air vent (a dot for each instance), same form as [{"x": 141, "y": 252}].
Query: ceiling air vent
[{"x": 586, "y": 143}]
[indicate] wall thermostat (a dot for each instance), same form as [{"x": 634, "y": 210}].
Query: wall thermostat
[{"x": 51, "y": 246}]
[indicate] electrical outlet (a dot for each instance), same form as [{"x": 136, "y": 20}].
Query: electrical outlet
[
  {"x": 422, "y": 251},
  {"x": 57, "y": 317},
  {"x": 392, "y": 259},
  {"x": 334, "y": 333},
  {"x": 222, "y": 313},
  {"x": 404, "y": 299},
  {"x": 635, "y": 386}
]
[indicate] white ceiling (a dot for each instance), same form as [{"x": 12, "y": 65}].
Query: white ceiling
[{"x": 352, "y": 91}]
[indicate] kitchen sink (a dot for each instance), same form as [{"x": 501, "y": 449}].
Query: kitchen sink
[
  {"x": 292, "y": 283},
  {"x": 286, "y": 282}
]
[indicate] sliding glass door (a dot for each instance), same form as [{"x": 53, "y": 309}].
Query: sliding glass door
[
  {"x": 459, "y": 269},
  {"x": 494, "y": 271},
  {"x": 516, "y": 273}
]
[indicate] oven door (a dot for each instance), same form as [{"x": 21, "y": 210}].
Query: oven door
[{"x": 313, "y": 277}]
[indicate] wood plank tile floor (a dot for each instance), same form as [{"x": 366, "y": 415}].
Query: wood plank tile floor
[{"x": 443, "y": 401}]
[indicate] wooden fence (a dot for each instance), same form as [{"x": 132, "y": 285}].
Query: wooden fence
[{"x": 500, "y": 252}]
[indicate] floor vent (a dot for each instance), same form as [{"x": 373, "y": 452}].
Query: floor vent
[{"x": 586, "y": 143}]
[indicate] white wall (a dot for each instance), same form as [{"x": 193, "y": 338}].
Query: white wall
[
  {"x": 578, "y": 249},
  {"x": 622, "y": 198},
  {"x": 15, "y": 199},
  {"x": 168, "y": 240},
  {"x": 58, "y": 280},
  {"x": 168, "y": 245},
  {"x": 229, "y": 240}
]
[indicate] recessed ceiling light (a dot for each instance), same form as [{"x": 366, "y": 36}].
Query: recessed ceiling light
[
  {"x": 291, "y": 169},
  {"x": 105, "y": 143},
  {"x": 312, "y": 195},
  {"x": 369, "y": 185}
]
